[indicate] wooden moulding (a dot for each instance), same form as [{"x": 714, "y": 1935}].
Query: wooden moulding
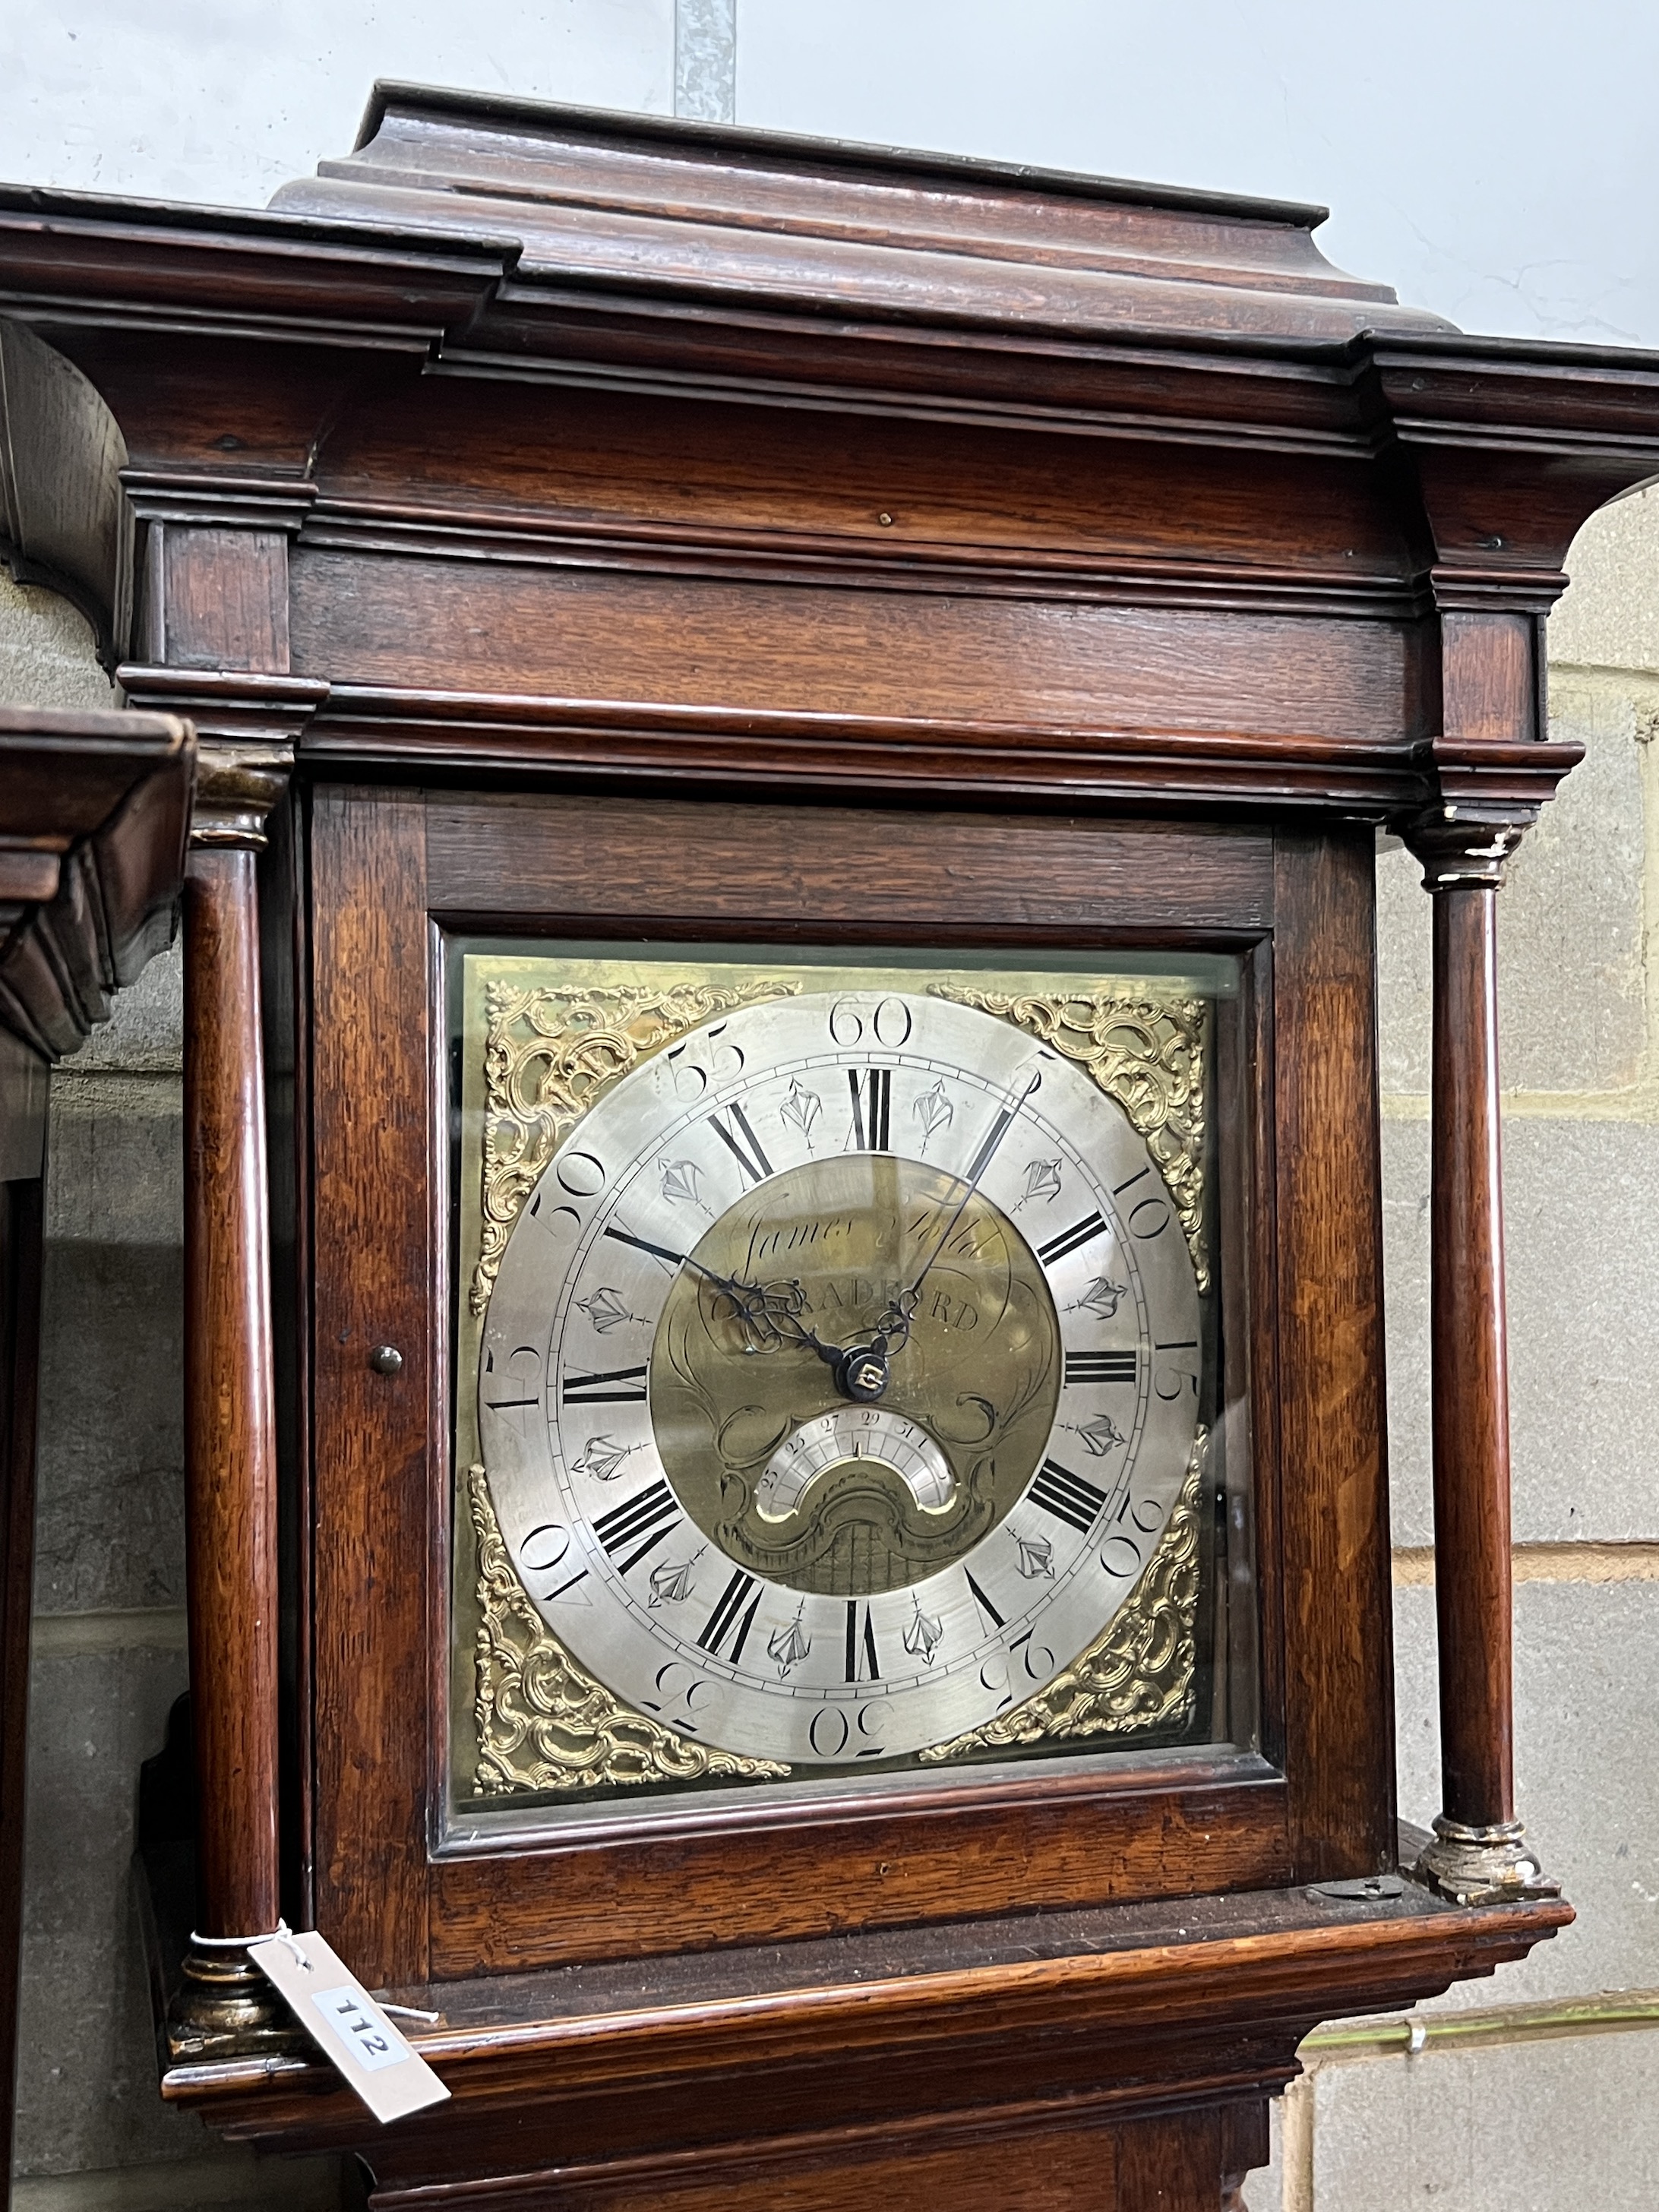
[
  {"x": 985, "y": 2033},
  {"x": 93, "y": 811}
]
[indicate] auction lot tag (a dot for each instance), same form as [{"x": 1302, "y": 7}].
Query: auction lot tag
[{"x": 332, "y": 2005}]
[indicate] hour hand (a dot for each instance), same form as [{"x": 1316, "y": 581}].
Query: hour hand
[
  {"x": 763, "y": 1309},
  {"x": 742, "y": 1294}
]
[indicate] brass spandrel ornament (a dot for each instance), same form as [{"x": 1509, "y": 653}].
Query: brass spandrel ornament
[
  {"x": 549, "y": 1055},
  {"x": 544, "y": 1722},
  {"x": 1140, "y": 1673}
]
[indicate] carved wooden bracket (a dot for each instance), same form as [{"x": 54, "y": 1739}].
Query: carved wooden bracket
[
  {"x": 1488, "y": 794},
  {"x": 248, "y": 723}
]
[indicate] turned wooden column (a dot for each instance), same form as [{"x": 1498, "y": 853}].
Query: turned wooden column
[
  {"x": 230, "y": 1447},
  {"x": 1479, "y": 1854}
]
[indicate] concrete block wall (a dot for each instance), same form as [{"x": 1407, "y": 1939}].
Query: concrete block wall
[{"x": 1530, "y": 2090}]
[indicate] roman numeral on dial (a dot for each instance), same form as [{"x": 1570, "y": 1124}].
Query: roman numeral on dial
[
  {"x": 984, "y": 1603},
  {"x": 740, "y": 1140},
  {"x": 1100, "y": 1366},
  {"x": 617, "y": 1386},
  {"x": 993, "y": 1137},
  {"x": 862, "y": 1664},
  {"x": 1068, "y": 1497},
  {"x": 729, "y": 1614},
  {"x": 650, "y": 1513},
  {"x": 1069, "y": 1240},
  {"x": 872, "y": 1093}
]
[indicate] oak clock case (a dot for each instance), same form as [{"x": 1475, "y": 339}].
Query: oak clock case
[{"x": 837, "y": 1371}]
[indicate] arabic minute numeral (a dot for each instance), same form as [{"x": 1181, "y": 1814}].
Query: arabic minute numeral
[
  {"x": 740, "y": 1140},
  {"x": 889, "y": 1024},
  {"x": 691, "y": 1077},
  {"x": 1069, "y": 1497},
  {"x": 1037, "y": 1659},
  {"x": 832, "y": 1734},
  {"x": 871, "y": 1094},
  {"x": 550, "y": 1543},
  {"x": 1181, "y": 1379},
  {"x": 514, "y": 1373},
  {"x": 1100, "y": 1367},
  {"x": 1148, "y": 1217}
]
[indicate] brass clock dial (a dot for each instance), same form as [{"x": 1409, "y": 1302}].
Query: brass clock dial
[{"x": 841, "y": 1375}]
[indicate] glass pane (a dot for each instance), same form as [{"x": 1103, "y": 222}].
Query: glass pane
[{"x": 839, "y": 1384}]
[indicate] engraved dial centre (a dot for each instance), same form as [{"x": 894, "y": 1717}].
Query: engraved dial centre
[{"x": 966, "y": 1400}]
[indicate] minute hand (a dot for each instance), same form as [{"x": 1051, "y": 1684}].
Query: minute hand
[{"x": 999, "y": 1129}]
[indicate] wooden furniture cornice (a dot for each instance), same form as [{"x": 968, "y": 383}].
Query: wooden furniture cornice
[
  {"x": 94, "y": 812},
  {"x": 1393, "y": 474}
]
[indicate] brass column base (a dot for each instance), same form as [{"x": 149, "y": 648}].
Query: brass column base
[
  {"x": 226, "y": 2008},
  {"x": 1482, "y": 1866}
]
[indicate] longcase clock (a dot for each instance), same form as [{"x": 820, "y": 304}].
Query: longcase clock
[{"x": 788, "y": 1524}]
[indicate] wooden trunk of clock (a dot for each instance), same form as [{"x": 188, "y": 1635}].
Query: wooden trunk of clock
[{"x": 680, "y": 562}]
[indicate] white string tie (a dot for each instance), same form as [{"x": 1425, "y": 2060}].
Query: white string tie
[{"x": 281, "y": 1933}]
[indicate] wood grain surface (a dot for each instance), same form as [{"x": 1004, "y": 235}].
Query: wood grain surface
[
  {"x": 873, "y": 2048},
  {"x": 379, "y": 1478},
  {"x": 230, "y": 1444},
  {"x": 1469, "y": 1363},
  {"x": 1332, "y": 1491},
  {"x": 703, "y": 1873}
]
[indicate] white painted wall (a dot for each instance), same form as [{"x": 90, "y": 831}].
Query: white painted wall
[
  {"x": 1491, "y": 158},
  {"x": 222, "y": 101}
]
